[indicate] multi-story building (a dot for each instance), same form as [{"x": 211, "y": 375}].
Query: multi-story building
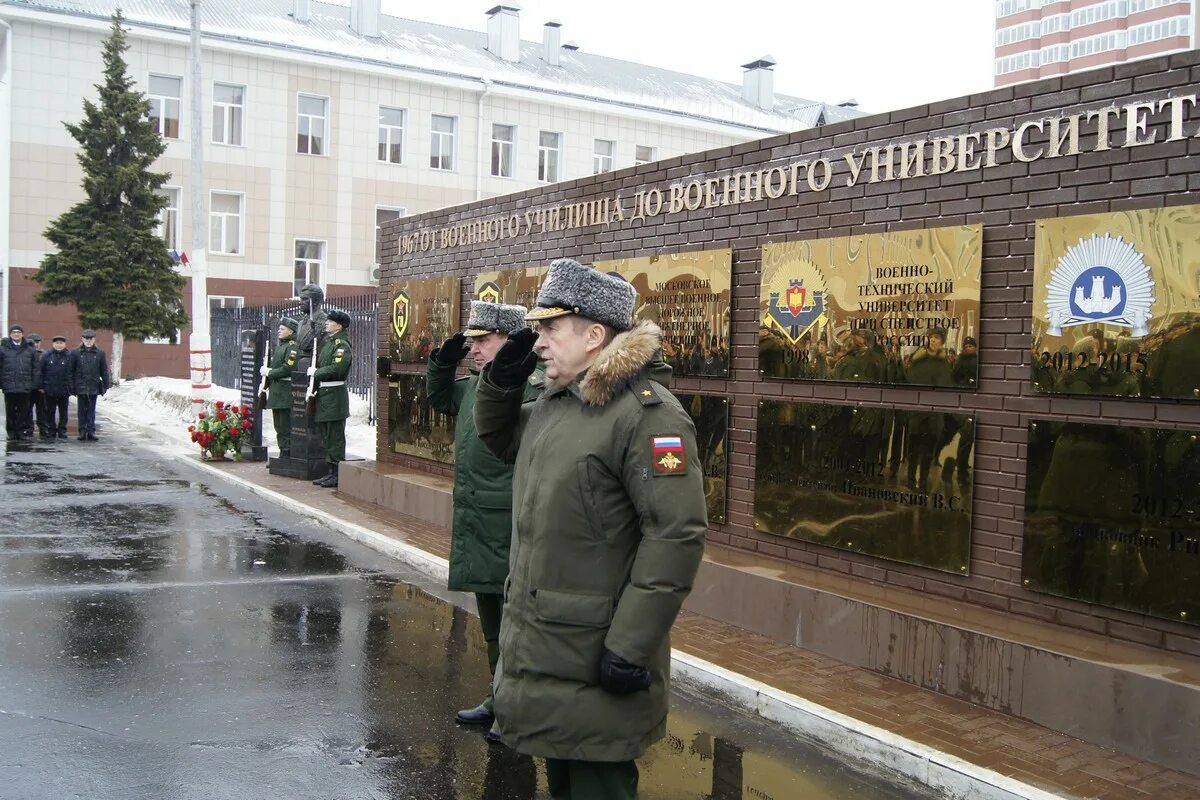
[
  {"x": 1042, "y": 38},
  {"x": 321, "y": 122}
]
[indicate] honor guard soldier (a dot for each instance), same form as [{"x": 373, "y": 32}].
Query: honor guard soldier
[
  {"x": 482, "y": 526},
  {"x": 607, "y": 537},
  {"x": 279, "y": 383},
  {"x": 333, "y": 398}
]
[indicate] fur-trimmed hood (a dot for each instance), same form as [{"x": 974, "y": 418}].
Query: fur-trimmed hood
[{"x": 625, "y": 357}]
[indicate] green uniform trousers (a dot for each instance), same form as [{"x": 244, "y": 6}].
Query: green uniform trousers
[
  {"x": 282, "y": 418},
  {"x": 333, "y": 439},
  {"x": 491, "y": 611},
  {"x": 592, "y": 780}
]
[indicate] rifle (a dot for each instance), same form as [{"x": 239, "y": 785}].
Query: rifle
[
  {"x": 310, "y": 394},
  {"x": 261, "y": 397}
]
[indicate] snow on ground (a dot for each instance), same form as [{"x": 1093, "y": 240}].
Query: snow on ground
[{"x": 166, "y": 403}]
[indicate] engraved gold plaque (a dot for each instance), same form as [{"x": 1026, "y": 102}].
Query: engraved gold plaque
[
  {"x": 710, "y": 415},
  {"x": 864, "y": 309},
  {"x": 889, "y": 483},
  {"x": 1116, "y": 304},
  {"x": 414, "y": 427},
  {"x": 424, "y": 312},
  {"x": 510, "y": 286},
  {"x": 1112, "y": 516}
]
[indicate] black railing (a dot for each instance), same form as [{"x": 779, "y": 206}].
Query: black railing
[{"x": 227, "y": 324}]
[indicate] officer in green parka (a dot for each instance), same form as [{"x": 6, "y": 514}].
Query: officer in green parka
[
  {"x": 608, "y": 532},
  {"x": 482, "y": 526},
  {"x": 279, "y": 382},
  {"x": 333, "y": 398}
]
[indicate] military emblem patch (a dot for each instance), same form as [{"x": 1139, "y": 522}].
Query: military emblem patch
[
  {"x": 489, "y": 293},
  {"x": 400, "y": 304},
  {"x": 668, "y": 455},
  {"x": 796, "y": 301}
]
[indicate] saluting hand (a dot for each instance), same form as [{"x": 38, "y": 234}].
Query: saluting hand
[
  {"x": 451, "y": 351},
  {"x": 515, "y": 361}
]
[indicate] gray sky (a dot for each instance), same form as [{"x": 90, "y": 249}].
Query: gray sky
[{"x": 887, "y": 54}]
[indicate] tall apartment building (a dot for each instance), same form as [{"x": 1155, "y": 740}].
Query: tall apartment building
[
  {"x": 1042, "y": 38},
  {"x": 321, "y": 122}
]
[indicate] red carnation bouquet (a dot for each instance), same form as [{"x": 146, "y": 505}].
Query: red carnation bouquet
[{"x": 220, "y": 429}]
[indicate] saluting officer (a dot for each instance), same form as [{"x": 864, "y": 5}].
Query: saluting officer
[
  {"x": 279, "y": 383},
  {"x": 608, "y": 532},
  {"x": 333, "y": 398},
  {"x": 482, "y": 526}
]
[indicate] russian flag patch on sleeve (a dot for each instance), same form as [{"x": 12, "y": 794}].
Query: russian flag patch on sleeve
[{"x": 668, "y": 455}]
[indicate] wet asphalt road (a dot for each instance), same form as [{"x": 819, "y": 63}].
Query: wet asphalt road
[{"x": 163, "y": 635}]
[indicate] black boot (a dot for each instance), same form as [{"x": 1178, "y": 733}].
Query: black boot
[{"x": 331, "y": 480}]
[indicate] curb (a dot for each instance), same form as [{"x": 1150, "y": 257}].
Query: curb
[{"x": 844, "y": 735}]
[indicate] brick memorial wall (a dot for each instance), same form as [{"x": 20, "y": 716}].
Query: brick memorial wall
[{"x": 1002, "y": 159}]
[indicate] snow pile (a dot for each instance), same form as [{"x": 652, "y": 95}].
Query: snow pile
[{"x": 166, "y": 404}]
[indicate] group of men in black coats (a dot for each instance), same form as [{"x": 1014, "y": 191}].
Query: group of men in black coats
[{"x": 43, "y": 381}]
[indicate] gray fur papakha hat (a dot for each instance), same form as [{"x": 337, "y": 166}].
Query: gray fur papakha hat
[
  {"x": 574, "y": 288},
  {"x": 494, "y": 318}
]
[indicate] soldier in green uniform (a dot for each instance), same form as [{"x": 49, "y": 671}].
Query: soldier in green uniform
[
  {"x": 608, "y": 532},
  {"x": 333, "y": 398},
  {"x": 279, "y": 383},
  {"x": 482, "y": 525}
]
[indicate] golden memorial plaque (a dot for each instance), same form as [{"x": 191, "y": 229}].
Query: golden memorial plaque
[
  {"x": 510, "y": 286},
  {"x": 1116, "y": 304},
  {"x": 1112, "y": 516},
  {"x": 423, "y": 314},
  {"x": 862, "y": 308},
  {"x": 414, "y": 427},
  {"x": 687, "y": 294},
  {"x": 710, "y": 415},
  {"x": 890, "y": 483}
]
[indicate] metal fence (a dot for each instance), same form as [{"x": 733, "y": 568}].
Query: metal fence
[{"x": 227, "y": 324}]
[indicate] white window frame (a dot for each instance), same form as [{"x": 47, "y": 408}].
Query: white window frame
[
  {"x": 240, "y": 301},
  {"x": 227, "y": 115},
  {"x": 503, "y": 144},
  {"x": 176, "y": 242},
  {"x": 326, "y": 128},
  {"x": 162, "y": 100},
  {"x": 544, "y": 152},
  {"x": 224, "y": 215},
  {"x": 603, "y": 162},
  {"x": 389, "y": 142},
  {"x": 323, "y": 263},
  {"x": 403, "y": 212},
  {"x": 637, "y": 161},
  {"x": 439, "y": 138}
]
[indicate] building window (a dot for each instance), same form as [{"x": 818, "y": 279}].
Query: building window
[
  {"x": 1099, "y": 12},
  {"x": 225, "y": 224},
  {"x": 167, "y": 221},
  {"x": 644, "y": 155},
  {"x": 1136, "y": 6},
  {"x": 384, "y": 214},
  {"x": 216, "y": 301},
  {"x": 1098, "y": 44},
  {"x": 228, "y": 113},
  {"x": 1006, "y": 8},
  {"x": 311, "y": 119},
  {"x": 164, "y": 97},
  {"x": 309, "y": 265},
  {"x": 1163, "y": 29},
  {"x": 602, "y": 156},
  {"x": 391, "y": 135},
  {"x": 441, "y": 142},
  {"x": 549, "y": 153},
  {"x": 504, "y": 138}
]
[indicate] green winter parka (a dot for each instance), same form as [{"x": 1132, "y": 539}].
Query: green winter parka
[
  {"x": 279, "y": 373},
  {"x": 482, "y": 525},
  {"x": 608, "y": 533},
  {"x": 333, "y": 367}
]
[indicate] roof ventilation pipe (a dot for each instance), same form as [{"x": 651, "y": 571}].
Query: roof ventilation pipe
[
  {"x": 504, "y": 32},
  {"x": 364, "y": 17},
  {"x": 758, "y": 83},
  {"x": 551, "y": 42},
  {"x": 300, "y": 11}
]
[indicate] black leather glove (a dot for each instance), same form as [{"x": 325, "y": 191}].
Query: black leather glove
[
  {"x": 515, "y": 361},
  {"x": 451, "y": 351},
  {"x": 618, "y": 676}
]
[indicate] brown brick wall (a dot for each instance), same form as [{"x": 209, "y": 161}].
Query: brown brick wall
[{"x": 1005, "y": 199}]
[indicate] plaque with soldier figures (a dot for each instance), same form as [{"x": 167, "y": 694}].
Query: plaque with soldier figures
[
  {"x": 710, "y": 415},
  {"x": 1112, "y": 516},
  {"x": 415, "y": 428},
  {"x": 1116, "y": 304},
  {"x": 511, "y": 286},
  {"x": 423, "y": 313},
  {"x": 900, "y": 307}
]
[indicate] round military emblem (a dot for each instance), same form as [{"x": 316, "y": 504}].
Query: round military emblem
[
  {"x": 1100, "y": 279},
  {"x": 797, "y": 300}
]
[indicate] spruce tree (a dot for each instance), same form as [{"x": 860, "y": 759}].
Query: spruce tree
[{"x": 110, "y": 262}]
